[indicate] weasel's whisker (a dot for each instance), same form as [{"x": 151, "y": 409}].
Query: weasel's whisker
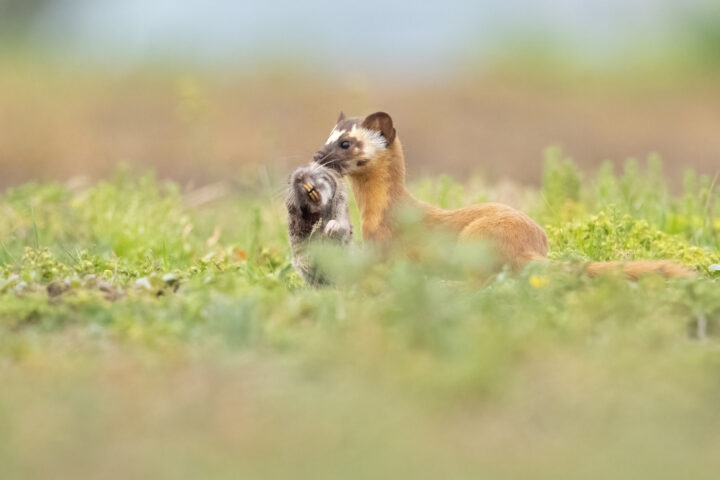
[
  {"x": 293, "y": 156},
  {"x": 330, "y": 162},
  {"x": 323, "y": 158}
]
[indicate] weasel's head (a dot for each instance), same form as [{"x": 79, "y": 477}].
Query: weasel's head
[
  {"x": 312, "y": 188},
  {"x": 356, "y": 144}
]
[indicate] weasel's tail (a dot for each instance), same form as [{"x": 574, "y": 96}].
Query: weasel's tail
[{"x": 635, "y": 269}]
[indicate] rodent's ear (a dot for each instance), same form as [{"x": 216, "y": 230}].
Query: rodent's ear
[
  {"x": 341, "y": 117},
  {"x": 381, "y": 122}
]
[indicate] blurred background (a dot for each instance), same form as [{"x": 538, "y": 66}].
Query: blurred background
[{"x": 206, "y": 90}]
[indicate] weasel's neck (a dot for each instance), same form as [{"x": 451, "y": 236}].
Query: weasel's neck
[{"x": 380, "y": 189}]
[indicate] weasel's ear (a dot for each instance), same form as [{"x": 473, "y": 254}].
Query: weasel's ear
[
  {"x": 381, "y": 122},
  {"x": 341, "y": 117}
]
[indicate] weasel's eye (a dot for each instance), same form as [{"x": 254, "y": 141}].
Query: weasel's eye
[{"x": 345, "y": 145}]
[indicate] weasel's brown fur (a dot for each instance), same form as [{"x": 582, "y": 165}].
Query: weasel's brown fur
[
  {"x": 381, "y": 189},
  {"x": 378, "y": 182}
]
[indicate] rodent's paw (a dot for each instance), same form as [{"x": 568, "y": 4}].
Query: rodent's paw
[{"x": 333, "y": 228}]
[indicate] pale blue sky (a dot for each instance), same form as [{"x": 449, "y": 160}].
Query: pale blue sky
[{"x": 363, "y": 35}]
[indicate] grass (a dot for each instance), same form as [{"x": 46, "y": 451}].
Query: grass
[{"x": 146, "y": 334}]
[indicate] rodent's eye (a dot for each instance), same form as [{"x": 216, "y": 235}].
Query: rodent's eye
[{"x": 345, "y": 145}]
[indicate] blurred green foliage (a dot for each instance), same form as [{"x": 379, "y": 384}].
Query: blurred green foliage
[
  {"x": 128, "y": 311},
  {"x": 700, "y": 32},
  {"x": 17, "y": 15}
]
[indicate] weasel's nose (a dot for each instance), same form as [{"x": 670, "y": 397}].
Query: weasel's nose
[{"x": 319, "y": 156}]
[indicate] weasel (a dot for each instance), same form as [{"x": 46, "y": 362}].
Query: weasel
[
  {"x": 317, "y": 208},
  {"x": 369, "y": 152}
]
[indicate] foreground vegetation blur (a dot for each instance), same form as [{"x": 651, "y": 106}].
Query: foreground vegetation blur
[{"x": 152, "y": 330}]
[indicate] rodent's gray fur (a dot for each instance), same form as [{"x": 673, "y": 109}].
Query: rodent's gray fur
[{"x": 312, "y": 217}]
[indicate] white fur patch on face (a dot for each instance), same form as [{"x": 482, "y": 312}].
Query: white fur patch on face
[
  {"x": 372, "y": 140},
  {"x": 334, "y": 135}
]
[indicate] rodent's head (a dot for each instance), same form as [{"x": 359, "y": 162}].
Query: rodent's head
[
  {"x": 355, "y": 144},
  {"x": 311, "y": 188}
]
